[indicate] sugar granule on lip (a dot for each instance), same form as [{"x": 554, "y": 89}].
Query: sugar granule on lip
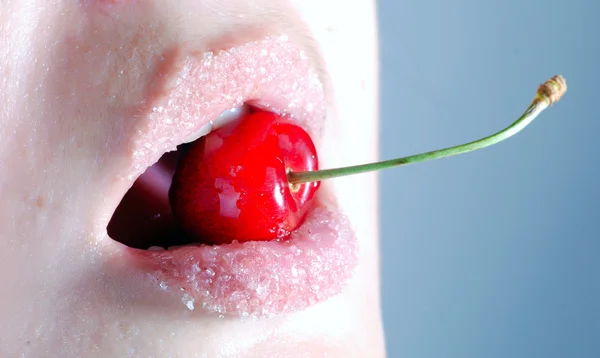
[
  {"x": 261, "y": 279},
  {"x": 196, "y": 89}
]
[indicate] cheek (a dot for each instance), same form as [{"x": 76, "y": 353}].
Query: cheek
[{"x": 348, "y": 42}]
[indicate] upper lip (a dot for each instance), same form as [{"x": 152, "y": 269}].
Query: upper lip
[{"x": 189, "y": 89}]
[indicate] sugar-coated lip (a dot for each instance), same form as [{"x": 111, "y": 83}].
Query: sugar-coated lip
[
  {"x": 240, "y": 279},
  {"x": 258, "y": 279}
]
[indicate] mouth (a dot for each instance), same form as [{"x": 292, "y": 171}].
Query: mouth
[{"x": 194, "y": 93}]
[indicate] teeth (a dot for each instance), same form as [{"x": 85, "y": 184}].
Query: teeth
[
  {"x": 156, "y": 248},
  {"x": 202, "y": 132},
  {"x": 160, "y": 248},
  {"x": 178, "y": 246},
  {"x": 230, "y": 115},
  {"x": 226, "y": 117}
]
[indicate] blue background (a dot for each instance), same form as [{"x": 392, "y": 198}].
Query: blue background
[{"x": 494, "y": 253}]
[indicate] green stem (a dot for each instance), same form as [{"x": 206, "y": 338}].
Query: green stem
[{"x": 548, "y": 93}]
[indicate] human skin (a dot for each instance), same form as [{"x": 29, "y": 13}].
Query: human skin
[{"x": 66, "y": 66}]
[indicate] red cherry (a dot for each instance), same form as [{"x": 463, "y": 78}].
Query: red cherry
[
  {"x": 232, "y": 184},
  {"x": 236, "y": 182}
]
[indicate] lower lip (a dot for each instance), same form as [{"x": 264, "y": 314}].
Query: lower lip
[
  {"x": 253, "y": 278},
  {"x": 258, "y": 279}
]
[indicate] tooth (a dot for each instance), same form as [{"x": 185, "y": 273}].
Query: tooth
[
  {"x": 230, "y": 115},
  {"x": 202, "y": 132},
  {"x": 227, "y": 116},
  {"x": 184, "y": 245},
  {"x": 156, "y": 248}
]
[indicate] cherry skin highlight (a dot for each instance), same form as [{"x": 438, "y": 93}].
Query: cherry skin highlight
[{"x": 232, "y": 183}]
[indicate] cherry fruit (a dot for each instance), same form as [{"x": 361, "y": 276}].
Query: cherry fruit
[
  {"x": 232, "y": 183},
  {"x": 255, "y": 179}
]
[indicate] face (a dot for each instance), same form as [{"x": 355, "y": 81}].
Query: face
[{"x": 95, "y": 95}]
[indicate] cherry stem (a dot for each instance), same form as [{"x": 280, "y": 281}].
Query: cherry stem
[{"x": 548, "y": 93}]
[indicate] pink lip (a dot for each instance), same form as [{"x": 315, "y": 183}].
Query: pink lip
[{"x": 253, "y": 278}]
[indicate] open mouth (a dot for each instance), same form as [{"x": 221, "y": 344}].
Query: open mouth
[
  {"x": 144, "y": 219},
  {"x": 252, "y": 278}
]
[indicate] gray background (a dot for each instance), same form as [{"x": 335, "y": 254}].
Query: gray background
[{"x": 494, "y": 253}]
